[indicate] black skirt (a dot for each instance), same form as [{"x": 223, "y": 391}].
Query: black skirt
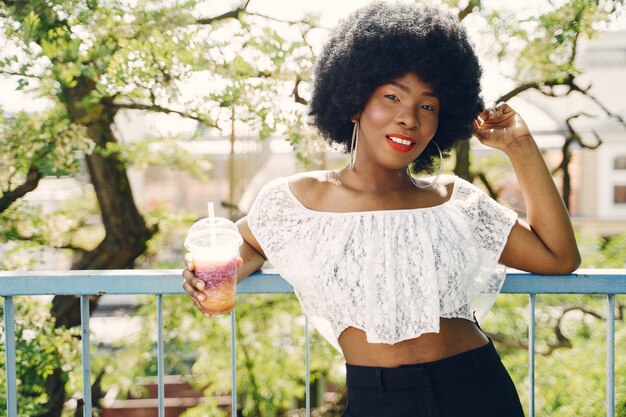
[{"x": 472, "y": 383}]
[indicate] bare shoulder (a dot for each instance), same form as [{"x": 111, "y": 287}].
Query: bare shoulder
[
  {"x": 309, "y": 186},
  {"x": 444, "y": 187}
]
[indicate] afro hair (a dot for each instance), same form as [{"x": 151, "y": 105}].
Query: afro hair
[{"x": 383, "y": 41}]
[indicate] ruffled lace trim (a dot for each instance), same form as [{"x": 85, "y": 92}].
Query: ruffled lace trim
[{"x": 383, "y": 271}]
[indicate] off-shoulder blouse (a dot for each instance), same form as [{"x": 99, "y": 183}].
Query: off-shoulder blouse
[{"x": 390, "y": 273}]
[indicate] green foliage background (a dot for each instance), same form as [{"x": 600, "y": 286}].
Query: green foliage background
[
  {"x": 102, "y": 57},
  {"x": 39, "y": 350}
]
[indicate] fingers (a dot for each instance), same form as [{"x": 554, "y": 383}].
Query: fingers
[
  {"x": 481, "y": 130},
  {"x": 190, "y": 285},
  {"x": 476, "y": 127},
  {"x": 189, "y": 261},
  {"x": 193, "y": 281},
  {"x": 493, "y": 111},
  {"x": 194, "y": 286},
  {"x": 196, "y": 297}
]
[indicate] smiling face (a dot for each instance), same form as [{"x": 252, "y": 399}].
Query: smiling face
[{"x": 397, "y": 122}]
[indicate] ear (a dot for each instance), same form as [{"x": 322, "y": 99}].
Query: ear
[{"x": 356, "y": 117}]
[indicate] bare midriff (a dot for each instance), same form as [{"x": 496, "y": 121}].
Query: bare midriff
[{"x": 455, "y": 336}]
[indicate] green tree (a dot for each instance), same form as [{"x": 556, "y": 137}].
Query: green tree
[
  {"x": 541, "y": 50},
  {"x": 41, "y": 346},
  {"x": 269, "y": 344},
  {"x": 94, "y": 60}
]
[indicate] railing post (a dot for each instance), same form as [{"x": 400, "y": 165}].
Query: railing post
[
  {"x": 531, "y": 354},
  {"x": 610, "y": 356},
  {"x": 160, "y": 387},
  {"x": 86, "y": 346},
  {"x": 308, "y": 366},
  {"x": 9, "y": 354},
  {"x": 233, "y": 364}
]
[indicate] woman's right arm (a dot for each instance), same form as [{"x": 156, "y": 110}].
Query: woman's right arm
[
  {"x": 251, "y": 252},
  {"x": 251, "y": 259}
]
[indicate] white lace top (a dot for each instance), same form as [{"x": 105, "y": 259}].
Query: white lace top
[{"x": 390, "y": 273}]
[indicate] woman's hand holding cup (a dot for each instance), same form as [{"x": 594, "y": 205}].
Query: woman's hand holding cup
[
  {"x": 212, "y": 264},
  {"x": 194, "y": 286}
]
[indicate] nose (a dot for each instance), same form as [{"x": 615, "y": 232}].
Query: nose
[{"x": 407, "y": 117}]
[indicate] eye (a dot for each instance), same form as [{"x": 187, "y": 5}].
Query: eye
[
  {"x": 392, "y": 97},
  {"x": 427, "y": 107}
]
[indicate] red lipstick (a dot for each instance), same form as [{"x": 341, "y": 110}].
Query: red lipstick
[{"x": 400, "y": 143}]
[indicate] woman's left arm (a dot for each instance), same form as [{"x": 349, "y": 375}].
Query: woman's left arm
[{"x": 545, "y": 244}]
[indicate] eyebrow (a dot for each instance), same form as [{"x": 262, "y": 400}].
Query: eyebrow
[{"x": 407, "y": 90}]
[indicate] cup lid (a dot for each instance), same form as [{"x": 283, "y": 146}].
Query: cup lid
[
  {"x": 205, "y": 225},
  {"x": 203, "y": 239}
]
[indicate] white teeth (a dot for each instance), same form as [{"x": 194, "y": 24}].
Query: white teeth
[{"x": 401, "y": 141}]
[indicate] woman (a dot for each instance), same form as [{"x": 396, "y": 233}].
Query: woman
[{"x": 392, "y": 269}]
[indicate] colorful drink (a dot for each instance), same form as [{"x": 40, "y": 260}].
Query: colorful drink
[
  {"x": 220, "y": 279},
  {"x": 215, "y": 263}
]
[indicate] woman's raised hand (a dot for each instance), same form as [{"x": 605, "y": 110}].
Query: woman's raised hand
[
  {"x": 498, "y": 126},
  {"x": 548, "y": 232}
]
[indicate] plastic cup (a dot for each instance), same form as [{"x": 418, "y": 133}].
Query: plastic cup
[{"x": 215, "y": 263}]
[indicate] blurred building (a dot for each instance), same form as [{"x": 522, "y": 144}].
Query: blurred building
[
  {"x": 602, "y": 196},
  {"x": 598, "y": 176}
]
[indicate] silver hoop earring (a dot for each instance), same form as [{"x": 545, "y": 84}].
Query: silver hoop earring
[
  {"x": 355, "y": 144},
  {"x": 433, "y": 182}
]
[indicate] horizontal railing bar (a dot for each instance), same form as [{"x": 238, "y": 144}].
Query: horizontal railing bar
[
  {"x": 583, "y": 281},
  {"x": 169, "y": 281},
  {"x": 126, "y": 281}
]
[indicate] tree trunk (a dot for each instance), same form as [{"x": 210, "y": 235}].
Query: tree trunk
[
  {"x": 462, "y": 166},
  {"x": 126, "y": 230},
  {"x": 567, "y": 179}
]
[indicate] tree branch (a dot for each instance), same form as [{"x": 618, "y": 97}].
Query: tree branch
[
  {"x": 33, "y": 238},
  {"x": 72, "y": 247},
  {"x": 517, "y": 90},
  {"x": 483, "y": 178},
  {"x": 233, "y": 14},
  {"x": 570, "y": 82},
  {"x": 19, "y": 74},
  {"x": 296, "y": 94},
  {"x": 562, "y": 340},
  {"x": 9, "y": 197},
  {"x": 593, "y": 98},
  {"x": 160, "y": 109},
  {"x": 574, "y": 48},
  {"x": 40, "y": 239},
  {"x": 290, "y": 22},
  {"x": 572, "y": 137},
  {"x": 542, "y": 85},
  {"x": 468, "y": 9},
  {"x": 575, "y": 136}
]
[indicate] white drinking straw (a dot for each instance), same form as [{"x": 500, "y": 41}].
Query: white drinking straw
[{"x": 212, "y": 223}]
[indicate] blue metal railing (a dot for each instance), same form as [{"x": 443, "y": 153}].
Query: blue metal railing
[{"x": 159, "y": 282}]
